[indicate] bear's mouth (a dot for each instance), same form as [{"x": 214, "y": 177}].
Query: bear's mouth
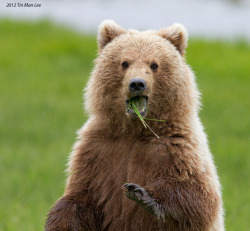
[{"x": 137, "y": 104}]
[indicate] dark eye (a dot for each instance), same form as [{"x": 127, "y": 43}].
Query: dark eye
[
  {"x": 125, "y": 65},
  {"x": 154, "y": 66}
]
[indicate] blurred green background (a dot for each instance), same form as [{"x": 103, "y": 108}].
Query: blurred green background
[{"x": 43, "y": 69}]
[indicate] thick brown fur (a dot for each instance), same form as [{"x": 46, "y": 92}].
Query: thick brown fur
[{"x": 177, "y": 169}]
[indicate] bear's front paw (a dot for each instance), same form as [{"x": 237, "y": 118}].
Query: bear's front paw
[{"x": 144, "y": 199}]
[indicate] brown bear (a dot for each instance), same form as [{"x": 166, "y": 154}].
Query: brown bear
[{"x": 121, "y": 175}]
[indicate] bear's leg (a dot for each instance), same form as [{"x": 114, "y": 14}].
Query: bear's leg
[
  {"x": 71, "y": 214},
  {"x": 144, "y": 199},
  {"x": 185, "y": 205}
]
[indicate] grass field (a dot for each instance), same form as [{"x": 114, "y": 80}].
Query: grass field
[{"x": 43, "y": 69}]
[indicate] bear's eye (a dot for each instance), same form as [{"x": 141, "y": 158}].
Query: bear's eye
[
  {"x": 125, "y": 65},
  {"x": 154, "y": 66}
]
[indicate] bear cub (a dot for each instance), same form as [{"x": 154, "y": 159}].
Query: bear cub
[{"x": 121, "y": 175}]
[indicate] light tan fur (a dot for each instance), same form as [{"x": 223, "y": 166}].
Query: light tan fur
[{"x": 177, "y": 169}]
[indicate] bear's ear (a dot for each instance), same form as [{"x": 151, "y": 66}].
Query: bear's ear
[
  {"x": 108, "y": 30},
  {"x": 177, "y": 35}
]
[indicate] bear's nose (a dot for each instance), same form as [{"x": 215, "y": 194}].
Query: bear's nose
[{"x": 137, "y": 85}]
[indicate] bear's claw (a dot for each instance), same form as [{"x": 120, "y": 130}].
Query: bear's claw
[{"x": 144, "y": 199}]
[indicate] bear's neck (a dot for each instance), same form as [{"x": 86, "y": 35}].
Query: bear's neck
[{"x": 117, "y": 128}]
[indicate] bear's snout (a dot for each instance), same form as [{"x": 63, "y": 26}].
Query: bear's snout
[{"x": 137, "y": 85}]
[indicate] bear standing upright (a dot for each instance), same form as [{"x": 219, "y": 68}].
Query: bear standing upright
[{"x": 121, "y": 176}]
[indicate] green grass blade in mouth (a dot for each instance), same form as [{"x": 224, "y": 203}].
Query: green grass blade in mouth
[
  {"x": 154, "y": 119},
  {"x": 132, "y": 104},
  {"x": 138, "y": 114},
  {"x": 151, "y": 130}
]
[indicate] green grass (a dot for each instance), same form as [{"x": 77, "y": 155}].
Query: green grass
[
  {"x": 137, "y": 104},
  {"x": 43, "y": 69}
]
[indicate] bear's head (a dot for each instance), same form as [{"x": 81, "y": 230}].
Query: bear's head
[{"x": 147, "y": 66}]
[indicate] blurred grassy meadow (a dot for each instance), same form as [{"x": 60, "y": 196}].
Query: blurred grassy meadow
[{"x": 43, "y": 69}]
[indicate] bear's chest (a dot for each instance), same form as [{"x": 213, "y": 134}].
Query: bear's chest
[{"x": 119, "y": 163}]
